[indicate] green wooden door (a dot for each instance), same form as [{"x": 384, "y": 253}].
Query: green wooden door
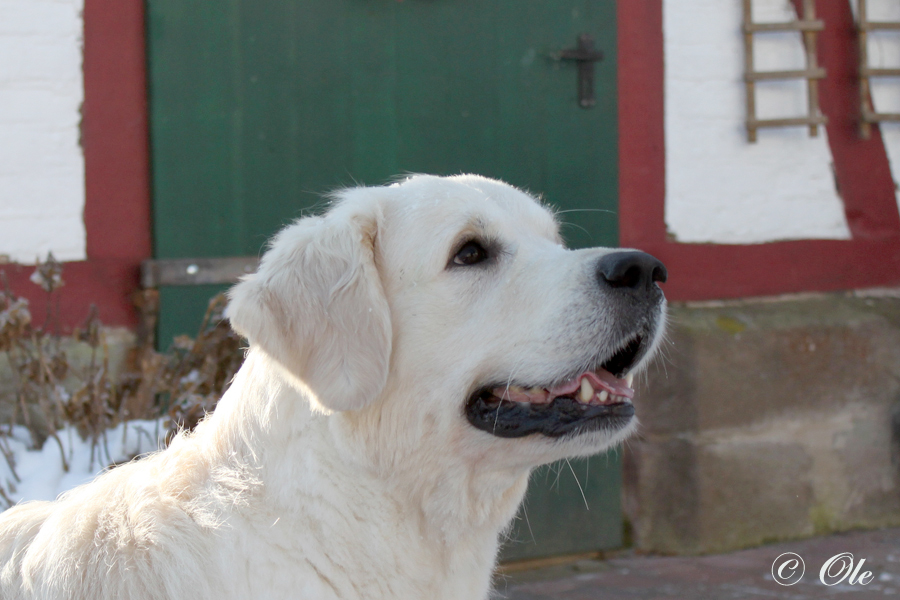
[{"x": 258, "y": 107}]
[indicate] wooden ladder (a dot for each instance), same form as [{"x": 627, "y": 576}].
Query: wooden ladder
[
  {"x": 867, "y": 112},
  {"x": 809, "y": 26}
]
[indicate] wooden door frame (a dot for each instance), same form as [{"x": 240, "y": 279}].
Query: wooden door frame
[
  {"x": 118, "y": 203},
  {"x": 711, "y": 271},
  {"x": 115, "y": 142}
]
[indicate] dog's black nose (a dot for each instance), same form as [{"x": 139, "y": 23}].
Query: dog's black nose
[{"x": 635, "y": 270}]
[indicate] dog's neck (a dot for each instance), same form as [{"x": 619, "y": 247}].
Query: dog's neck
[{"x": 411, "y": 507}]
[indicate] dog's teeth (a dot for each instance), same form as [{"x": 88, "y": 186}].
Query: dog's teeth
[
  {"x": 535, "y": 390},
  {"x": 630, "y": 379},
  {"x": 604, "y": 395},
  {"x": 587, "y": 391},
  {"x": 515, "y": 389}
]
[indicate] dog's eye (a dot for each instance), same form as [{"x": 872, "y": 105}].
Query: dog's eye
[{"x": 471, "y": 253}]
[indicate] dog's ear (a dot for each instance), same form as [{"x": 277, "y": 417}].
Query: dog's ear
[{"x": 317, "y": 306}]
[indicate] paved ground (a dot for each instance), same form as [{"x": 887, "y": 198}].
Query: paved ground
[{"x": 736, "y": 576}]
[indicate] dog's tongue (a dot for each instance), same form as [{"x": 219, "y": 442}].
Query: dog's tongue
[{"x": 600, "y": 380}]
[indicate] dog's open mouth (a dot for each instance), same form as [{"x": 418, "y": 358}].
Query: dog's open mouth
[{"x": 591, "y": 400}]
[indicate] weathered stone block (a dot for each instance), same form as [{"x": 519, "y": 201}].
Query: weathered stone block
[{"x": 769, "y": 420}]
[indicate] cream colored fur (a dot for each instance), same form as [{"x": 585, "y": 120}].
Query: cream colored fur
[{"x": 340, "y": 464}]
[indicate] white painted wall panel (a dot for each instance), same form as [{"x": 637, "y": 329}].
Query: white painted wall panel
[
  {"x": 884, "y": 52},
  {"x": 719, "y": 187},
  {"x": 41, "y": 162}
]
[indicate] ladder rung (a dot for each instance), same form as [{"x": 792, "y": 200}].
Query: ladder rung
[
  {"x": 757, "y": 123},
  {"x": 870, "y": 117},
  {"x": 816, "y": 25},
  {"x": 870, "y": 72},
  {"x": 818, "y": 73},
  {"x": 876, "y": 25}
]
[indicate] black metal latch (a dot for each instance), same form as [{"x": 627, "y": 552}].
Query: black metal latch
[{"x": 585, "y": 56}]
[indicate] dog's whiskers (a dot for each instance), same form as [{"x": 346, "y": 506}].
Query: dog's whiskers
[
  {"x": 603, "y": 210},
  {"x": 516, "y": 366},
  {"x": 578, "y": 483}
]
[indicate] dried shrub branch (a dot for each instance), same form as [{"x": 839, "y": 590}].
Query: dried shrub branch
[{"x": 50, "y": 392}]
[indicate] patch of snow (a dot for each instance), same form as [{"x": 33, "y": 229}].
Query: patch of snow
[{"x": 39, "y": 474}]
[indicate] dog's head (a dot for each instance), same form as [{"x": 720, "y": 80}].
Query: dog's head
[{"x": 449, "y": 307}]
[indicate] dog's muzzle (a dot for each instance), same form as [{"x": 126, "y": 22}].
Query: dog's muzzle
[{"x": 592, "y": 400}]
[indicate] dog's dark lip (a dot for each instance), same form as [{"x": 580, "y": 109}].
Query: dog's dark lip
[{"x": 563, "y": 416}]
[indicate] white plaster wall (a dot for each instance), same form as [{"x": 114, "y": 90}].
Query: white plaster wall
[
  {"x": 41, "y": 162},
  {"x": 884, "y": 52},
  {"x": 719, "y": 187}
]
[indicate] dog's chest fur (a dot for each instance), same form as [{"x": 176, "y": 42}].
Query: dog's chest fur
[{"x": 335, "y": 528}]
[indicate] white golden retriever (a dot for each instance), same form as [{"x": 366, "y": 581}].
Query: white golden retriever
[{"x": 414, "y": 353}]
